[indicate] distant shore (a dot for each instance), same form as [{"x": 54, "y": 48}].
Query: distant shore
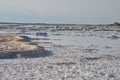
[{"x": 72, "y": 24}]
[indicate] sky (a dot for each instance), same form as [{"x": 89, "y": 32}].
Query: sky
[{"x": 60, "y": 11}]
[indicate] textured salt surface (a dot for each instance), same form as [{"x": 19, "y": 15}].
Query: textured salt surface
[
  {"x": 71, "y": 55},
  {"x": 63, "y": 65}
]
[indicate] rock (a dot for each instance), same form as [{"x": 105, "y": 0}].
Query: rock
[
  {"x": 113, "y": 37},
  {"x": 11, "y": 45},
  {"x": 116, "y": 24}
]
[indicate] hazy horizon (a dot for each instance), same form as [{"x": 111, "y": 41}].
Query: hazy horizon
[{"x": 60, "y": 11}]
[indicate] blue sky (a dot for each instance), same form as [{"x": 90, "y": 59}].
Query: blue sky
[{"x": 60, "y": 11}]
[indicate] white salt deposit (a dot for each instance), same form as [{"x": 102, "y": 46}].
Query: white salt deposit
[{"x": 71, "y": 55}]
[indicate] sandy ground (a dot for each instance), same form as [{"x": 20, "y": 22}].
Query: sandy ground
[
  {"x": 11, "y": 43},
  {"x": 17, "y": 46},
  {"x": 63, "y": 65}
]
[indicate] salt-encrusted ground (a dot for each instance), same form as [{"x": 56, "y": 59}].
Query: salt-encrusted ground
[
  {"x": 71, "y": 55},
  {"x": 63, "y": 65}
]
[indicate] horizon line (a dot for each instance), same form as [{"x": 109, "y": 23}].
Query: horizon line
[{"x": 54, "y": 23}]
